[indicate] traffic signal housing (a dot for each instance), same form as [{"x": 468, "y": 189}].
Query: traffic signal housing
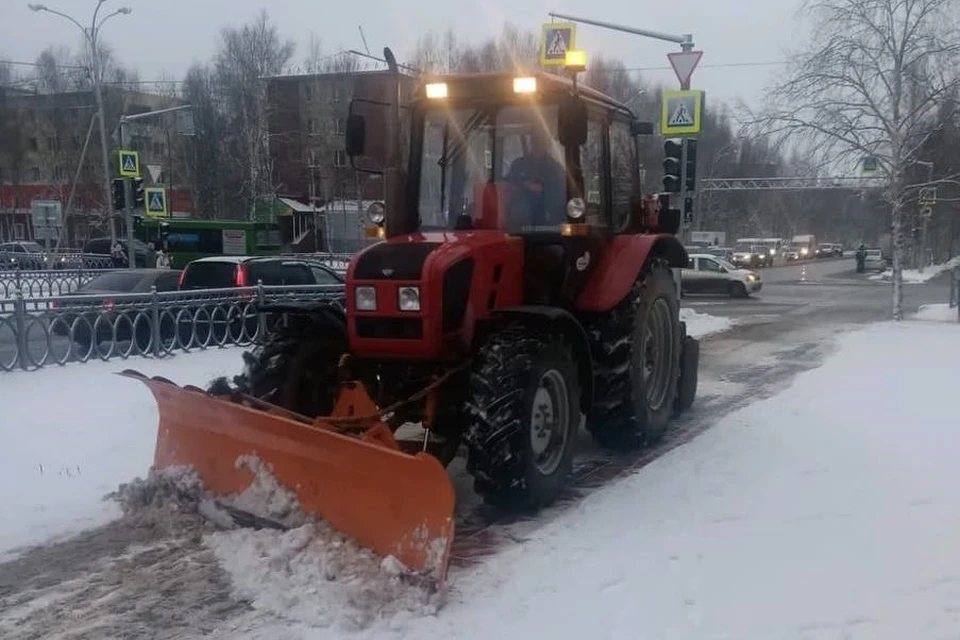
[
  {"x": 138, "y": 194},
  {"x": 117, "y": 195},
  {"x": 672, "y": 165},
  {"x": 690, "y": 165}
]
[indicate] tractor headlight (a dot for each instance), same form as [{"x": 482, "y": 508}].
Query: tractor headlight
[
  {"x": 803, "y": 251},
  {"x": 409, "y": 298},
  {"x": 366, "y": 298},
  {"x": 576, "y": 208},
  {"x": 376, "y": 213}
]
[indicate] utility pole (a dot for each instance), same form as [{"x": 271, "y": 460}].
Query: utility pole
[
  {"x": 925, "y": 213},
  {"x": 91, "y": 35}
]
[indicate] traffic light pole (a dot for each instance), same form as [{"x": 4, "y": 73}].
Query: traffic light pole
[{"x": 128, "y": 201}]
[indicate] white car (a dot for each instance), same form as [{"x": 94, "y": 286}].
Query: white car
[
  {"x": 874, "y": 260},
  {"x": 706, "y": 273}
]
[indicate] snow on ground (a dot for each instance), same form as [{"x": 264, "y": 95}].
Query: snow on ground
[
  {"x": 913, "y": 276},
  {"x": 72, "y": 434},
  {"x": 703, "y": 324},
  {"x": 937, "y": 313}
]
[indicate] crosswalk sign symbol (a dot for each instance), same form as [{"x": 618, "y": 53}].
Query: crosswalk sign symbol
[
  {"x": 155, "y": 203},
  {"x": 681, "y": 117},
  {"x": 129, "y": 163},
  {"x": 557, "y": 39},
  {"x": 681, "y": 112}
]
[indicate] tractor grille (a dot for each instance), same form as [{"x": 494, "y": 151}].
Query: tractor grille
[
  {"x": 393, "y": 261},
  {"x": 390, "y": 328}
]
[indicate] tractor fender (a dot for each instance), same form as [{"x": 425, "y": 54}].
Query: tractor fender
[
  {"x": 542, "y": 317},
  {"x": 622, "y": 261}
]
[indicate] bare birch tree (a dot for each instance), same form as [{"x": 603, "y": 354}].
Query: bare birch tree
[{"x": 869, "y": 83}]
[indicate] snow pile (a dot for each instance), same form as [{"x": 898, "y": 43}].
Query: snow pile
[
  {"x": 295, "y": 570},
  {"x": 311, "y": 577},
  {"x": 702, "y": 324},
  {"x": 937, "y": 313},
  {"x": 913, "y": 276},
  {"x": 72, "y": 434}
]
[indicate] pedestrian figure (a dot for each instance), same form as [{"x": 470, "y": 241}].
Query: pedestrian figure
[
  {"x": 861, "y": 258},
  {"x": 163, "y": 260},
  {"x": 117, "y": 256}
]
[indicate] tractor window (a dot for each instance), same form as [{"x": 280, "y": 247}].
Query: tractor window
[
  {"x": 591, "y": 164},
  {"x": 492, "y": 168},
  {"x": 623, "y": 175}
]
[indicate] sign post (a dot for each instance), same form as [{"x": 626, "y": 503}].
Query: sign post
[{"x": 47, "y": 218}]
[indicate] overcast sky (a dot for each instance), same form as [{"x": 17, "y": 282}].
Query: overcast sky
[{"x": 168, "y": 35}]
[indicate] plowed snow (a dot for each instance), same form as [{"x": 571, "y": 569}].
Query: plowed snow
[{"x": 167, "y": 570}]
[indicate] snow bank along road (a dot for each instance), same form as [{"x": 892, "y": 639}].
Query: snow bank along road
[{"x": 747, "y": 531}]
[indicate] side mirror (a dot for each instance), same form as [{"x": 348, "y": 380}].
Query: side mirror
[
  {"x": 639, "y": 128},
  {"x": 572, "y": 122},
  {"x": 356, "y": 135}
]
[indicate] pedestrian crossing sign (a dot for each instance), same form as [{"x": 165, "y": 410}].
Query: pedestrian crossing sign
[
  {"x": 558, "y": 38},
  {"x": 129, "y": 163},
  {"x": 155, "y": 203},
  {"x": 681, "y": 112}
]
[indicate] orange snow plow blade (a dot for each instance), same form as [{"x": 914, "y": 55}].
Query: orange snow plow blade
[{"x": 351, "y": 474}]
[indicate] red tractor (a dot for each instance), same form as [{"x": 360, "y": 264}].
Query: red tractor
[{"x": 524, "y": 287}]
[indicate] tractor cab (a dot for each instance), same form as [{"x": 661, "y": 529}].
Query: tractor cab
[{"x": 518, "y": 154}]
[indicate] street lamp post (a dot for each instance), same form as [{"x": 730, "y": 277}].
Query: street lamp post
[{"x": 91, "y": 35}]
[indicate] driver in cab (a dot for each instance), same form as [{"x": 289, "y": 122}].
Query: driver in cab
[{"x": 541, "y": 180}]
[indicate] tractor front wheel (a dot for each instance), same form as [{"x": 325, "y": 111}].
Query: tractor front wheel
[
  {"x": 296, "y": 368},
  {"x": 524, "y": 409}
]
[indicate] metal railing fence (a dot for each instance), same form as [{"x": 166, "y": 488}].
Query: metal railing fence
[{"x": 40, "y": 331}]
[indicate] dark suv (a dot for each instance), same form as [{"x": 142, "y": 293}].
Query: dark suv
[{"x": 223, "y": 272}]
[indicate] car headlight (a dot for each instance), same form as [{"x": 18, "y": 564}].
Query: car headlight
[
  {"x": 751, "y": 277},
  {"x": 803, "y": 251},
  {"x": 409, "y": 298},
  {"x": 366, "y": 298}
]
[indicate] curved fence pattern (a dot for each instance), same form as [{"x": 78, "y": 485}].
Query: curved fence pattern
[{"x": 62, "y": 328}]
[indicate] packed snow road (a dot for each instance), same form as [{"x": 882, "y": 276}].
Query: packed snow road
[{"x": 782, "y": 519}]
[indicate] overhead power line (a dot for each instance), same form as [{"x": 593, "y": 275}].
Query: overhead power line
[{"x": 19, "y": 63}]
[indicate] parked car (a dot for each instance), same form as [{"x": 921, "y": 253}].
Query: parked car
[
  {"x": 223, "y": 272},
  {"x": 97, "y": 254},
  {"x": 105, "y": 287},
  {"x": 875, "y": 260},
  {"x": 25, "y": 255},
  {"x": 706, "y": 273}
]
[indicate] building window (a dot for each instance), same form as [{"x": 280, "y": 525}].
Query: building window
[
  {"x": 339, "y": 158},
  {"x": 312, "y": 158},
  {"x": 339, "y": 126},
  {"x": 336, "y": 94},
  {"x": 19, "y": 231},
  {"x": 35, "y": 174},
  {"x": 32, "y": 143},
  {"x": 307, "y": 93},
  {"x": 311, "y": 126},
  {"x": 53, "y": 144},
  {"x": 57, "y": 173}
]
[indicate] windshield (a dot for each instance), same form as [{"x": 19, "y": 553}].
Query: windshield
[
  {"x": 726, "y": 265},
  {"x": 32, "y": 247},
  {"x": 746, "y": 248},
  {"x": 494, "y": 167}
]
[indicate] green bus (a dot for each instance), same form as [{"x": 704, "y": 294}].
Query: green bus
[{"x": 188, "y": 239}]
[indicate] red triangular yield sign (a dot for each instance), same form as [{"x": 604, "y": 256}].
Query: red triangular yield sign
[{"x": 683, "y": 63}]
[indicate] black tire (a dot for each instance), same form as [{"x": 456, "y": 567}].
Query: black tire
[
  {"x": 738, "y": 290},
  {"x": 624, "y": 417},
  {"x": 296, "y": 368},
  {"x": 509, "y": 370},
  {"x": 689, "y": 375}
]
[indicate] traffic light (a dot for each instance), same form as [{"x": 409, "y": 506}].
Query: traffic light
[
  {"x": 672, "y": 165},
  {"x": 690, "y": 165},
  {"x": 117, "y": 195},
  {"x": 137, "y": 193}
]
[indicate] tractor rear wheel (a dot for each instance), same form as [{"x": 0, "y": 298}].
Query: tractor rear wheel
[
  {"x": 524, "y": 408},
  {"x": 637, "y": 363},
  {"x": 296, "y": 368}
]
